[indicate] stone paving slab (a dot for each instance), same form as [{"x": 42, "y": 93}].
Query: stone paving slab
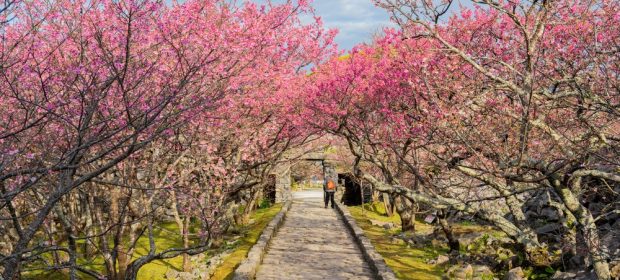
[{"x": 313, "y": 243}]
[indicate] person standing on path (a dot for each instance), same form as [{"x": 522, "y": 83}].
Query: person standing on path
[{"x": 330, "y": 189}]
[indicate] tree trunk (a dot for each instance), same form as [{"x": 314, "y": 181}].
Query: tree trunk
[
  {"x": 587, "y": 226},
  {"x": 387, "y": 204},
  {"x": 250, "y": 206},
  {"x": 453, "y": 243},
  {"x": 117, "y": 214},
  {"x": 404, "y": 209},
  {"x": 528, "y": 240},
  {"x": 186, "y": 261}
]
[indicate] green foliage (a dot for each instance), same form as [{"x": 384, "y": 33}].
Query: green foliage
[
  {"x": 540, "y": 274},
  {"x": 264, "y": 203},
  {"x": 478, "y": 246},
  {"x": 330, "y": 150},
  {"x": 295, "y": 186}
]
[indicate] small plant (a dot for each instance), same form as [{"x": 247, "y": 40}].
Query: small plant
[
  {"x": 542, "y": 274},
  {"x": 264, "y": 203}
]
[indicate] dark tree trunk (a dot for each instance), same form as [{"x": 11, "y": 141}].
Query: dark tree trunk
[{"x": 453, "y": 243}]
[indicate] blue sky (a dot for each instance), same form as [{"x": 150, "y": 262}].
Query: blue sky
[{"x": 357, "y": 20}]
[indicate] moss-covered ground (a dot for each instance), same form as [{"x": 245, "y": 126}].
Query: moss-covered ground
[
  {"x": 166, "y": 236},
  {"x": 407, "y": 262},
  {"x": 412, "y": 261},
  {"x": 251, "y": 234}
]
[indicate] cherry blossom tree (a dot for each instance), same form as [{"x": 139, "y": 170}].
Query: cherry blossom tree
[
  {"x": 87, "y": 86},
  {"x": 481, "y": 110}
]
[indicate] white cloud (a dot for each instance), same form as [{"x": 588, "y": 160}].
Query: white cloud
[{"x": 357, "y": 20}]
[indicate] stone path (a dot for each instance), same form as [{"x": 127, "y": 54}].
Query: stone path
[{"x": 313, "y": 243}]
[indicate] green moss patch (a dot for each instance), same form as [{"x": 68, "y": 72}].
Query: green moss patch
[
  {"x": 406, "y": 262},
  {"x": 251, "y": 234},
  {"x": 167, "y": 236}
]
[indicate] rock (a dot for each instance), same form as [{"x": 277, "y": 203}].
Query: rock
[
  {"x": 386, "y": 225},
  {"x": 515, "y": 274},
  {"x": 563, "y": 275},
  {"x": 596, "y": 207},
  {"x": 548, "y": 228},
  {"x": 581, "y": 275},
  {"x": 389, "y": 226},
  {"x": 460, "y": 275},
  {"x": 576, "y": 262},
  {"x": 550, "y": 214},
  {"x": 460, "y": 272},
  {"x": 441, "y": 259},
  {"x": 530, "y": 215},
  {"x": 611, "y": 240},
  {"x": 469, "y": 270},
  {"x": 469, "y": 238},
  {"x": 437, "y": 243},
  {"x": 482, "y": 269},
  {"x": 615, "y": 270},
  {"x": 410, "y": 242}
]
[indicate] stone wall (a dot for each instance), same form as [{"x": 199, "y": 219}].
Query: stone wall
[
  {"x": 283, "y": 185},
  {"x": 247, "y": 268},
  {"x": 329, "y": 171},
  {"x": 283, "y": 180}
]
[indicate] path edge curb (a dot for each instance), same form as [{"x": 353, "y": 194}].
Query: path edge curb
[
  {"x": 375, "y": 260},
  {"x": 248, "y": 267}
]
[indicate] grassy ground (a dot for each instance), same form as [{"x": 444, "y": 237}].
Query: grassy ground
[
  {"x": 407, "y": 262},
  {"x": 166, "y": 236},
  {"x": 261, "y": 218},
  {"x": 158, "y": 268}
]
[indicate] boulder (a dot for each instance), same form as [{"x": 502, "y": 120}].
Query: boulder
[
  {"x": 563, "y": 275},
  {"x": 389, "y": 226},
  {"x": 441, "y": 259},
  {"x": 548, "y": 228},
  {"x": 468, "y": 270},
  {"x": 515, "y": 274},
  {"x": 581, "y": 275},
  {"x": 550, "y": 214},
  {"x": 386, "y": 225},
  {"x": 530, "y": 215},
  {"x": 576, "y": 262},
  {"x": 469, "y": 238},
  {"x": 611, "y": 240},
  {"x": 482, "y": 271},
  {"x": 460, "y": 272},
  {"x": 615, "y": 270}
]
